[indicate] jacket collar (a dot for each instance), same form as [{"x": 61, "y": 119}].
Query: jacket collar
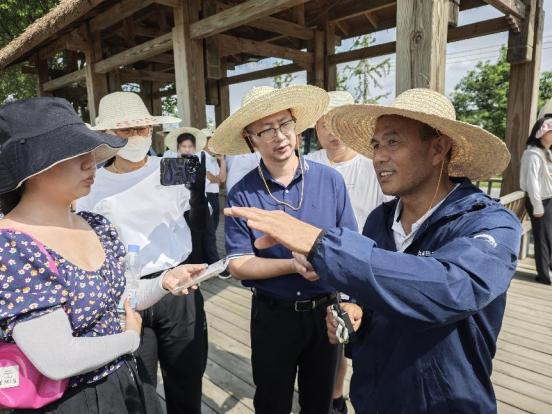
[{"x": 464, "y": 198}]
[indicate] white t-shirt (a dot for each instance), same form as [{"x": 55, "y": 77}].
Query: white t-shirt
[
  {"x": 362, "y": 185},
  {"x": 212, "y": 166},
  {"x": 403, "y": 240},
  {"x": 144, "y": 213},
  {"x": 238, "y": 166}
]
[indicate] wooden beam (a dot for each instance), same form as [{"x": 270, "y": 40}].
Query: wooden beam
[
  {"x": 509, "y": 7},
  {"x": 137, "y": 53},
  {"x": 65, "y": 80},
  {"x": 117, "y": 13},
  {"x": 239, "y": 15},
  {"x": 264, "y": 73},
  {"x": 230, "y": 45},
  {"x": 522, "y": 102},
  {"x": 273, "y": 24},
  {"x": 189, "y": 66},
  {"x": 136, "y": 75},
  {"x": 74, "y": 40},
  {"x": 373, "y": 19},
  {"x": 520, "y": 45},
  {"x": 358, "y": 8},
  {"x": 484, "y": 28},
  {"x": 164, "y": 58},
  {"x": 168, "y": 3},
  {"x": 421, "y": 44},
  {"x": 364, "y": 53}
]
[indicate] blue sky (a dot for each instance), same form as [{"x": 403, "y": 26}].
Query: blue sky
[{"x": 461, "y": 57}]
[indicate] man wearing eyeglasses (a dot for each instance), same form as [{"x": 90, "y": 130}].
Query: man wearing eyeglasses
[{"x": 288, "y": 333}]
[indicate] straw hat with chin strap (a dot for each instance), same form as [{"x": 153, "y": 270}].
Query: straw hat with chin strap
[
  {"x": 476, "y": 153},
  {"x": 306, "y": 103}
]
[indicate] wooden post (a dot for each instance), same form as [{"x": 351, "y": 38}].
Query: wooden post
[
  {"x": 157, "y": 110},
  {"x": 421, "y": 44},
  {"x": 523, "y": 92},
  {"x": 114, "y": 81},
  {"x": 41, "y": 76},
  {"x": 316, "y": 75},
  {"x": 96, "y": 84},
  {"x": 189, "y": 66},
  {"x": 222, "y": 110},
  {"x": 330, "y": 69}
]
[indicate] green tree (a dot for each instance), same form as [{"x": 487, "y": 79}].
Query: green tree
[
  {"x": 282, "y": 81},
  {"x": 481, "y": 97},
  {"x": 15, "y": 16},
  {"x": 363, "y": 75}
]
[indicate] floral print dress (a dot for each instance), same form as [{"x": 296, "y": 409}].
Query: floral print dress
[{"x": 29, "y": 288}]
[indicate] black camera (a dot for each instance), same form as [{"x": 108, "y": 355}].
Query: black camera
[{"x": 180, "y": 171}]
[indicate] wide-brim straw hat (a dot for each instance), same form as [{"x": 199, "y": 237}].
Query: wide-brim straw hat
[
  {"x": 476, "y": 153},
  {"x": 38, "y": 133},
  {"x": 306, "y": 103},
  {"x": 171, "y": 138},
  {"x": 120, "y": 110}
]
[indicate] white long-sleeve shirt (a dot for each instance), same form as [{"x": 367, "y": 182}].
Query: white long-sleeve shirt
[{"x": 535, "y": 177}]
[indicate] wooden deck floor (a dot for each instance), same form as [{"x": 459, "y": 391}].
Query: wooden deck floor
[{"x": 522, "y": 367}]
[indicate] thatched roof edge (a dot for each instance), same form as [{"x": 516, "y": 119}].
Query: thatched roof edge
[{"x": 65, "y": 13}]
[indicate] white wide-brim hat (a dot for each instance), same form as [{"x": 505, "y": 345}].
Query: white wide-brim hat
[
  {"x": 476, "y": 153},
  {"x": 546, "y": 109},
  {"x": 306, "y": 103},
  {"x": 120, "y": 110},
  {"x": 171, "y": 138}
]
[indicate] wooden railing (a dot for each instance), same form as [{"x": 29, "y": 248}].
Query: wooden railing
[{"x": 516, "y": 202}]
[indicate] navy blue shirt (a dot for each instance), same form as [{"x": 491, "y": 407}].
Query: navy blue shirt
[{"x": 325, "y": 205}]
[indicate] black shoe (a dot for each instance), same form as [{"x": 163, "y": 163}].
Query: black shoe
[
  {"x": 339, "y": 406},
  {"x": 543, "y": 280}
]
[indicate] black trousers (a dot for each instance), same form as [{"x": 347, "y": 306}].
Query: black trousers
[
  {"x": 213, "y": 199},
  {"x": 175, "y": 335},
  {"x": 286, "y": 343},
  {"x": 121, "y": 392},
  {"x": 542, "y": 234}
]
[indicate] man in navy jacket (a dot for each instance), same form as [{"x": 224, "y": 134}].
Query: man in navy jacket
[{"x": 431, "y": 270}]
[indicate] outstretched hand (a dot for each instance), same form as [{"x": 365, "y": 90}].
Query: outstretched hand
[{"x": 278, "y": 228}]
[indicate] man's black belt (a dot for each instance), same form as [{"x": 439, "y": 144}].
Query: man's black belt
[{"x": 297, "y": 305}]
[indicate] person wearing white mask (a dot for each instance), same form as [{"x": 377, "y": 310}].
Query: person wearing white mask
[{"x": 127, "y": 190}]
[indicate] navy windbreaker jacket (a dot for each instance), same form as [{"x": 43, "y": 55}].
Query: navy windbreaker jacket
[{"x": 432, "y": 316}]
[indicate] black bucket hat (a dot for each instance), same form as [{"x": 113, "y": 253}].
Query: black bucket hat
[{"x": 38, "y": 133}]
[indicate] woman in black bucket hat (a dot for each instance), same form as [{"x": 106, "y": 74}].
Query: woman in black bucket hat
[{"x": 62, "y": 274}]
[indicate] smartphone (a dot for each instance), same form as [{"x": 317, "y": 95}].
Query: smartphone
[
  {"x": 180, "y": 171},
  {"x": 211, "y": 271}
]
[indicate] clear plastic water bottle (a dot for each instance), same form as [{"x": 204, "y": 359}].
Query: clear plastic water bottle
[{"x": 132, "y": 276}]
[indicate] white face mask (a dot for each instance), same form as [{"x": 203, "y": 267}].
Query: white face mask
[{"x": 136, "y": 148}]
